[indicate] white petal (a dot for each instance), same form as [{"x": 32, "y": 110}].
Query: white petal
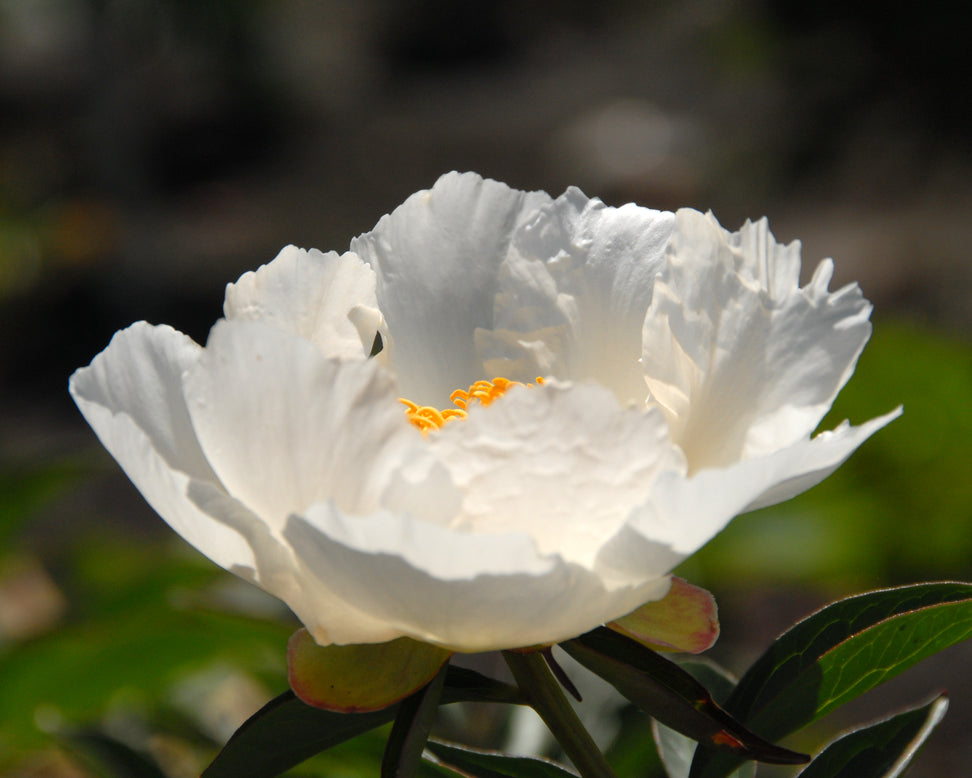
[
  {"x": 285, "y": 427},
  {"x": 131, "y": 395},
  {"x": 277, "y": 569},
  {"x": 743, "y": 360},
  {"x": 573, "y": 294},
  {"x": 436, "y": 257},
  {"x": 467, "y": 592},
  {"x": 808, "y": 462},
  {"x": 329, "y": 299},
  {"x": 562, "y": 464},
  {"x": 687, "y": 513}
]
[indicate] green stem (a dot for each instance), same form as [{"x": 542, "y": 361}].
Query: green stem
[{"x": 547, "y": 698}]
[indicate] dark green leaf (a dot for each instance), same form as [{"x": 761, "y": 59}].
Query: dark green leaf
[
  {"x": 675, "y": 749},
  {"x": 882, "y": 750},
  {"x": 413, "y": 723},
  {"x": 493, "y": 764},
  {"x": 464, "y": 685},
  {"x": 109, "y": 757},
  {"x": 847, "y": 648},
  {"x": 285, "y": 731},
  {"x": 841, "y": 652},
  {"x": 669, "y": 694}
]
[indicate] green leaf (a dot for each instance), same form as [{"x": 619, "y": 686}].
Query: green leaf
[
  {"x": 841, "y": 652},
  {"x": 286, "y": 731},
  {"x": 675, "y": 749},
  {"x": 493, "y": 764},
  {"x": 881, "y": 750},
  {"x": 686, "y": 619},
  {"x": 669, "y": 694},
  {"x": 464, "y": 685},
  {"x": 358, "y": 678},
  {"x": 847, "y": 648},
  {"x": 403, "y": 752}
]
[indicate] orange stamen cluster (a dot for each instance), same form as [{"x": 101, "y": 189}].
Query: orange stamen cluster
[{"x": 426, "y": 418}]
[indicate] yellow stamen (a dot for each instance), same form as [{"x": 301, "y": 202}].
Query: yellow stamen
[{"x": 426, "y": 418}]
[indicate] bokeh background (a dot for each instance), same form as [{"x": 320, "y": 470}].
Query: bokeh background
[{"x": 153, "y": 150}]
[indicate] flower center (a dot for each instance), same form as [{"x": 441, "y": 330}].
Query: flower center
[{"x": 426, "y": 418}]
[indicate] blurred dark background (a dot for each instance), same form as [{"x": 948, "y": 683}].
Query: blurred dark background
[{"x": 153, "y": 150}]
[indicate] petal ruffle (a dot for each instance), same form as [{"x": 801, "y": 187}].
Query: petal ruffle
[
  {"x": 744, "y": 361},
  {"x": 563, "y": 464},
  {"x": 573, "y": 294},
  {"x": 131, "y": 395},
  {"x": 329, "y": 299},
  {"x": 536, "y": 484},
  {"x": 284, "y": 427},
  {"x": 436, "y": 258}
]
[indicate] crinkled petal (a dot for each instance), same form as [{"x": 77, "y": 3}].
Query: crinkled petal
[
  {"x": 131, "y": 395},
  {"x": 573, "y": 293},
  {"x": 436, "y": 258},
  {"x": 329, "y": 299},
  {"x": 564, "y": 464},
  {"x": 284, "y": 427},
  {"x": 745, "y": 361},
  {"x": 466, "y": 592}
]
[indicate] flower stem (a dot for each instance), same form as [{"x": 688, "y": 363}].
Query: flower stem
[{"x": 547, "y": 698}]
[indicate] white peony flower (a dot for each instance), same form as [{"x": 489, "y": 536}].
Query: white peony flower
[{"x": 683, "y": 370}]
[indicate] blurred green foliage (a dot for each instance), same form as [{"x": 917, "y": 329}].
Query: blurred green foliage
[
  {"x": 25, "y": 487},
  {"x": 144, "y": 626},
  {"x": 138, "y": 624}
]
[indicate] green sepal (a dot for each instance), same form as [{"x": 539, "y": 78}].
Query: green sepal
[
  {"x": 360, "y": 678},
  {"x": 685, "y": 619}
]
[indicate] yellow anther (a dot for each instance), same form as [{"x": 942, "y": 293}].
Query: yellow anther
[{"x": 427, "y": 418}]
